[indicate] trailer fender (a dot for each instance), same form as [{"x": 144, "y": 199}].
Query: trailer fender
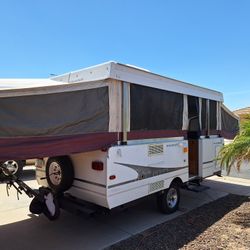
[{"x": 178, "y": 181}]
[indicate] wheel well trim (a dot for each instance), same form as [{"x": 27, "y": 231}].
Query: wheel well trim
[{"x": 178, "y": 181}]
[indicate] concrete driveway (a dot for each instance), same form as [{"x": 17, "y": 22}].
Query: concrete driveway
[
  {"x": 21, "y": 230},
  {"x": 243, "y": 173}
]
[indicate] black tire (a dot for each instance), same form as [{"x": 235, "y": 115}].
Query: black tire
[
  {"x": 38, "y": 207},
  {"x": 168, "y": 201},
  {"x": 19, "y": 172},
  {"x": 59, "y": 173},
  {"x": 15, "y": 167},
  {"x": 57, "y": 213}
]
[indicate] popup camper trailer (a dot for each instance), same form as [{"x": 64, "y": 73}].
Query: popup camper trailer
[{"x": 113, "y": 133}]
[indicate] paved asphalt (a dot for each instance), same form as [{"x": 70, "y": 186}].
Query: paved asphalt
[{"x": 21, "y": 230}]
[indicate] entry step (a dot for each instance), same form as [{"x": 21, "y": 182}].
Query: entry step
[
  {"x": 76, "y": 206},
  {"x": 196, "y": 188}
]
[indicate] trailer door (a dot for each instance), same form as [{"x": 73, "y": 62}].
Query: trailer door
[{"x": 193, "y": 135}]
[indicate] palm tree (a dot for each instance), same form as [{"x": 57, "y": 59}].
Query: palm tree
[{"x": 238, "y": 151}]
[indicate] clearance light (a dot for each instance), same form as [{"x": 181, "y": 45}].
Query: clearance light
[
  {"x": 97, "y": 165},
  {"x": 112, "y": 177},
  {"x": 185, "y": 149}
]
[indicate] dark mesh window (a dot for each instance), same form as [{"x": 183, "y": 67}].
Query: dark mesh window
[
  {"x": 204, "y": 114},
  {"x": 193, "y": 113},
  {"x": 212, "y": 114},
  {"x": 154, "y": 109},
  {"x": 229, "y": 123},
  {"x": 193, "y": 106},
  {"x": 67, "y": 113}
]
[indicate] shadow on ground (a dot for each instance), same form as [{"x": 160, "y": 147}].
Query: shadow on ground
[{"x": 70, "y": 232}]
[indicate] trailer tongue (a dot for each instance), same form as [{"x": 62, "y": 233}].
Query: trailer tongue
[{"x": 44, "y": 200}]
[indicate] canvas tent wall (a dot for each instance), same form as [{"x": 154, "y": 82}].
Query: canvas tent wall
[
  {"x": 229, "y": 123},
  {"x": 158, "y": 113},
  {"x": 98, "y": 106},
  {"x": 150, "y": 89},
  {"x": 155, "y": 113},
  {"x": 159, "y": 106},
  {"x": 58, "y": 119}
]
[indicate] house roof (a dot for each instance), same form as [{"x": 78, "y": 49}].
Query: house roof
[{"x": 242, "y": 111}]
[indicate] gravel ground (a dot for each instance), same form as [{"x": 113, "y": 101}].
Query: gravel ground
[{"x": 222, "y": 224}]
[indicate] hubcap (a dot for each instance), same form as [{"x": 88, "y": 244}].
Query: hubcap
[
  {"x": 172, "y": 197},
  {"x": 55, "y": 173},
  {"x": 12, "y": 167}
]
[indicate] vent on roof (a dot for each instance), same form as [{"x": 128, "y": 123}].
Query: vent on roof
[{"x": 155, "y": 149}]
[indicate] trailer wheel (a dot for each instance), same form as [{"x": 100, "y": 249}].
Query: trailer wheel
[
  {"x": 168, "y": 201},
  {"x": 59, "y": 173},
  {"x": 14, "y": 167}
]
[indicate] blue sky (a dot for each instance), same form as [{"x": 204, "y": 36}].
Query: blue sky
[{"x": 201, "y": 42}]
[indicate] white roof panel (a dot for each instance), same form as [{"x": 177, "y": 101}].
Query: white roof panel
[
  {"x": 138, "y": 76},
  {"x": 108, "y": 70},
  {"x": 7, "y": 84}
]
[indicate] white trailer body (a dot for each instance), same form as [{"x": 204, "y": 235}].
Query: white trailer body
[{"x": 129, "y": 171}]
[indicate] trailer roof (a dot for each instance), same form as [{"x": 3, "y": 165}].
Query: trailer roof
[
  {"x": 22, "y": 83},
  {"x": 108, "y": 70},
  {"x": 136, "y": 75}
]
